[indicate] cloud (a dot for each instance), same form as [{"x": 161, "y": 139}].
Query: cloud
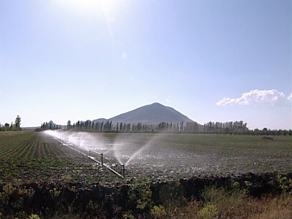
[
  {"x": 269, "y": 97},
  {"x": 290, "y": 97}
]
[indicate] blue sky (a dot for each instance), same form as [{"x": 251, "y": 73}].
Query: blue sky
[{"x": 85, "y": 59}]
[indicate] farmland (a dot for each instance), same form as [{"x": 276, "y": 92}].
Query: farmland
[
  {"x": 27, "y": 157},
  {"x": 36, "y": 157},
  {"x": 54, "y": 175}
]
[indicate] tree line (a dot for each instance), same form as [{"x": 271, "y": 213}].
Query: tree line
[
  {"x": 233, "y": 127},
  {"x": 12, "y": 126},
  {"x": 50, "y": 125}
]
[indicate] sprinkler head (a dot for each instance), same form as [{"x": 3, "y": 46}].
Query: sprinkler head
[
  {"x": 101, "y": 159},
  {"x": 123, "y": 170}
]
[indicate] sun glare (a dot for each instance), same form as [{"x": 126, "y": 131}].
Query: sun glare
[{"x": 90, "y": 6}]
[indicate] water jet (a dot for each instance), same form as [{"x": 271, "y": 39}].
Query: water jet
[{"x": 83, "y": 150}]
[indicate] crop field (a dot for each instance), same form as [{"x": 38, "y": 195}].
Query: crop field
[
  {"x": 59, "y": 173},
  {"x": 38, "y": 157},
  {"x": 33, "y": 157}
]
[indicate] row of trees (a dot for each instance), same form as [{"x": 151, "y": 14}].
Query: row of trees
[
  {"x": 226, "y": 127},
  {"x": 12, "y": 126},
  {"x": 266, "y": 131},
  {"x": 109, "y": 126},
  {"x": 236, "y": 127},
  {"x": 50, "y": 125},
  {"x": 181, "y": 127}
]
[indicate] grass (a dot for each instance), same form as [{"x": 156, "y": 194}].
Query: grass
[{"x": 219, "y": 203}]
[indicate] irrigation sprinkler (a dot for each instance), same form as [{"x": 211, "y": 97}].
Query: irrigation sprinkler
[
  {"x": 101, "y": 159},
  {"x": 87, "y": 154},
  {"x": 123, "y": 170}
]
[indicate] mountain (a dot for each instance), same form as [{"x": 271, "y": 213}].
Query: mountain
[
  {"x": 151, "y": 114},
  {"x": 100, "y": 120}
]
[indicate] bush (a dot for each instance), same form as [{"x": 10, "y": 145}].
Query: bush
[
  {"x": 158, "y": 212},
  {"x": 140, "y": 197},
  {"x": 284, "y": 183},
  {"x": 228, "y": 202},
  {"x": 208, "y": 212},
  {"x": 34, "y": 216},
  {"x": 128, "y": 215}
]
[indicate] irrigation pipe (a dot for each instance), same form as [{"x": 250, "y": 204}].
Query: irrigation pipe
[{"x": 90, "y": 157}]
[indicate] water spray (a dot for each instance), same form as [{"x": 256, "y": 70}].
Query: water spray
[{"x": 89, "y": 154}]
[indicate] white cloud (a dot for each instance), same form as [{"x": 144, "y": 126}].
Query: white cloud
[
  {"x": 271, "y": 97},
  {"x": 290, "y": 97}
]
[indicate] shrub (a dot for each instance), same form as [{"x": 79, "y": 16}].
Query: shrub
[
  {"x": 55, "y": 193},
  {"x": 213, "y": 195},
  {"x": 140, "y": 197},
  {"x": 284, "y": 183},
  {"x": 208, "y": 212},
  {"x": 228, "y": 202},
  {"x": 34, "y": 216},
  {"x": 128, "y": 215},
  {"x": 8, "y": 189},
  {"x": 158, "y": 212},
  {"x": 144, "y": 198}
]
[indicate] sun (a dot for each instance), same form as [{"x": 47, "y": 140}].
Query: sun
[{"x": 90, "y": 6}]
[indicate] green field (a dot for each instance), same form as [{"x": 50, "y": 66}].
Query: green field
[
  {"x": 35, "y": 157},
  {"x": 27, "y": 157}
]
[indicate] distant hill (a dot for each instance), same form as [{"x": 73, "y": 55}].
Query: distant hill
[
  {"x": 150, "y": 114},
  {"x": 100, "y": 120}
]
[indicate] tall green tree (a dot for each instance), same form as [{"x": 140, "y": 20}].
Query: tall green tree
[
  {"x": 17, "y": 122},
  {"x": 69, "y": 124}
]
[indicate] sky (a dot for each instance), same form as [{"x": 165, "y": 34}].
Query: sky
[{"x": 86, "y": 59}]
